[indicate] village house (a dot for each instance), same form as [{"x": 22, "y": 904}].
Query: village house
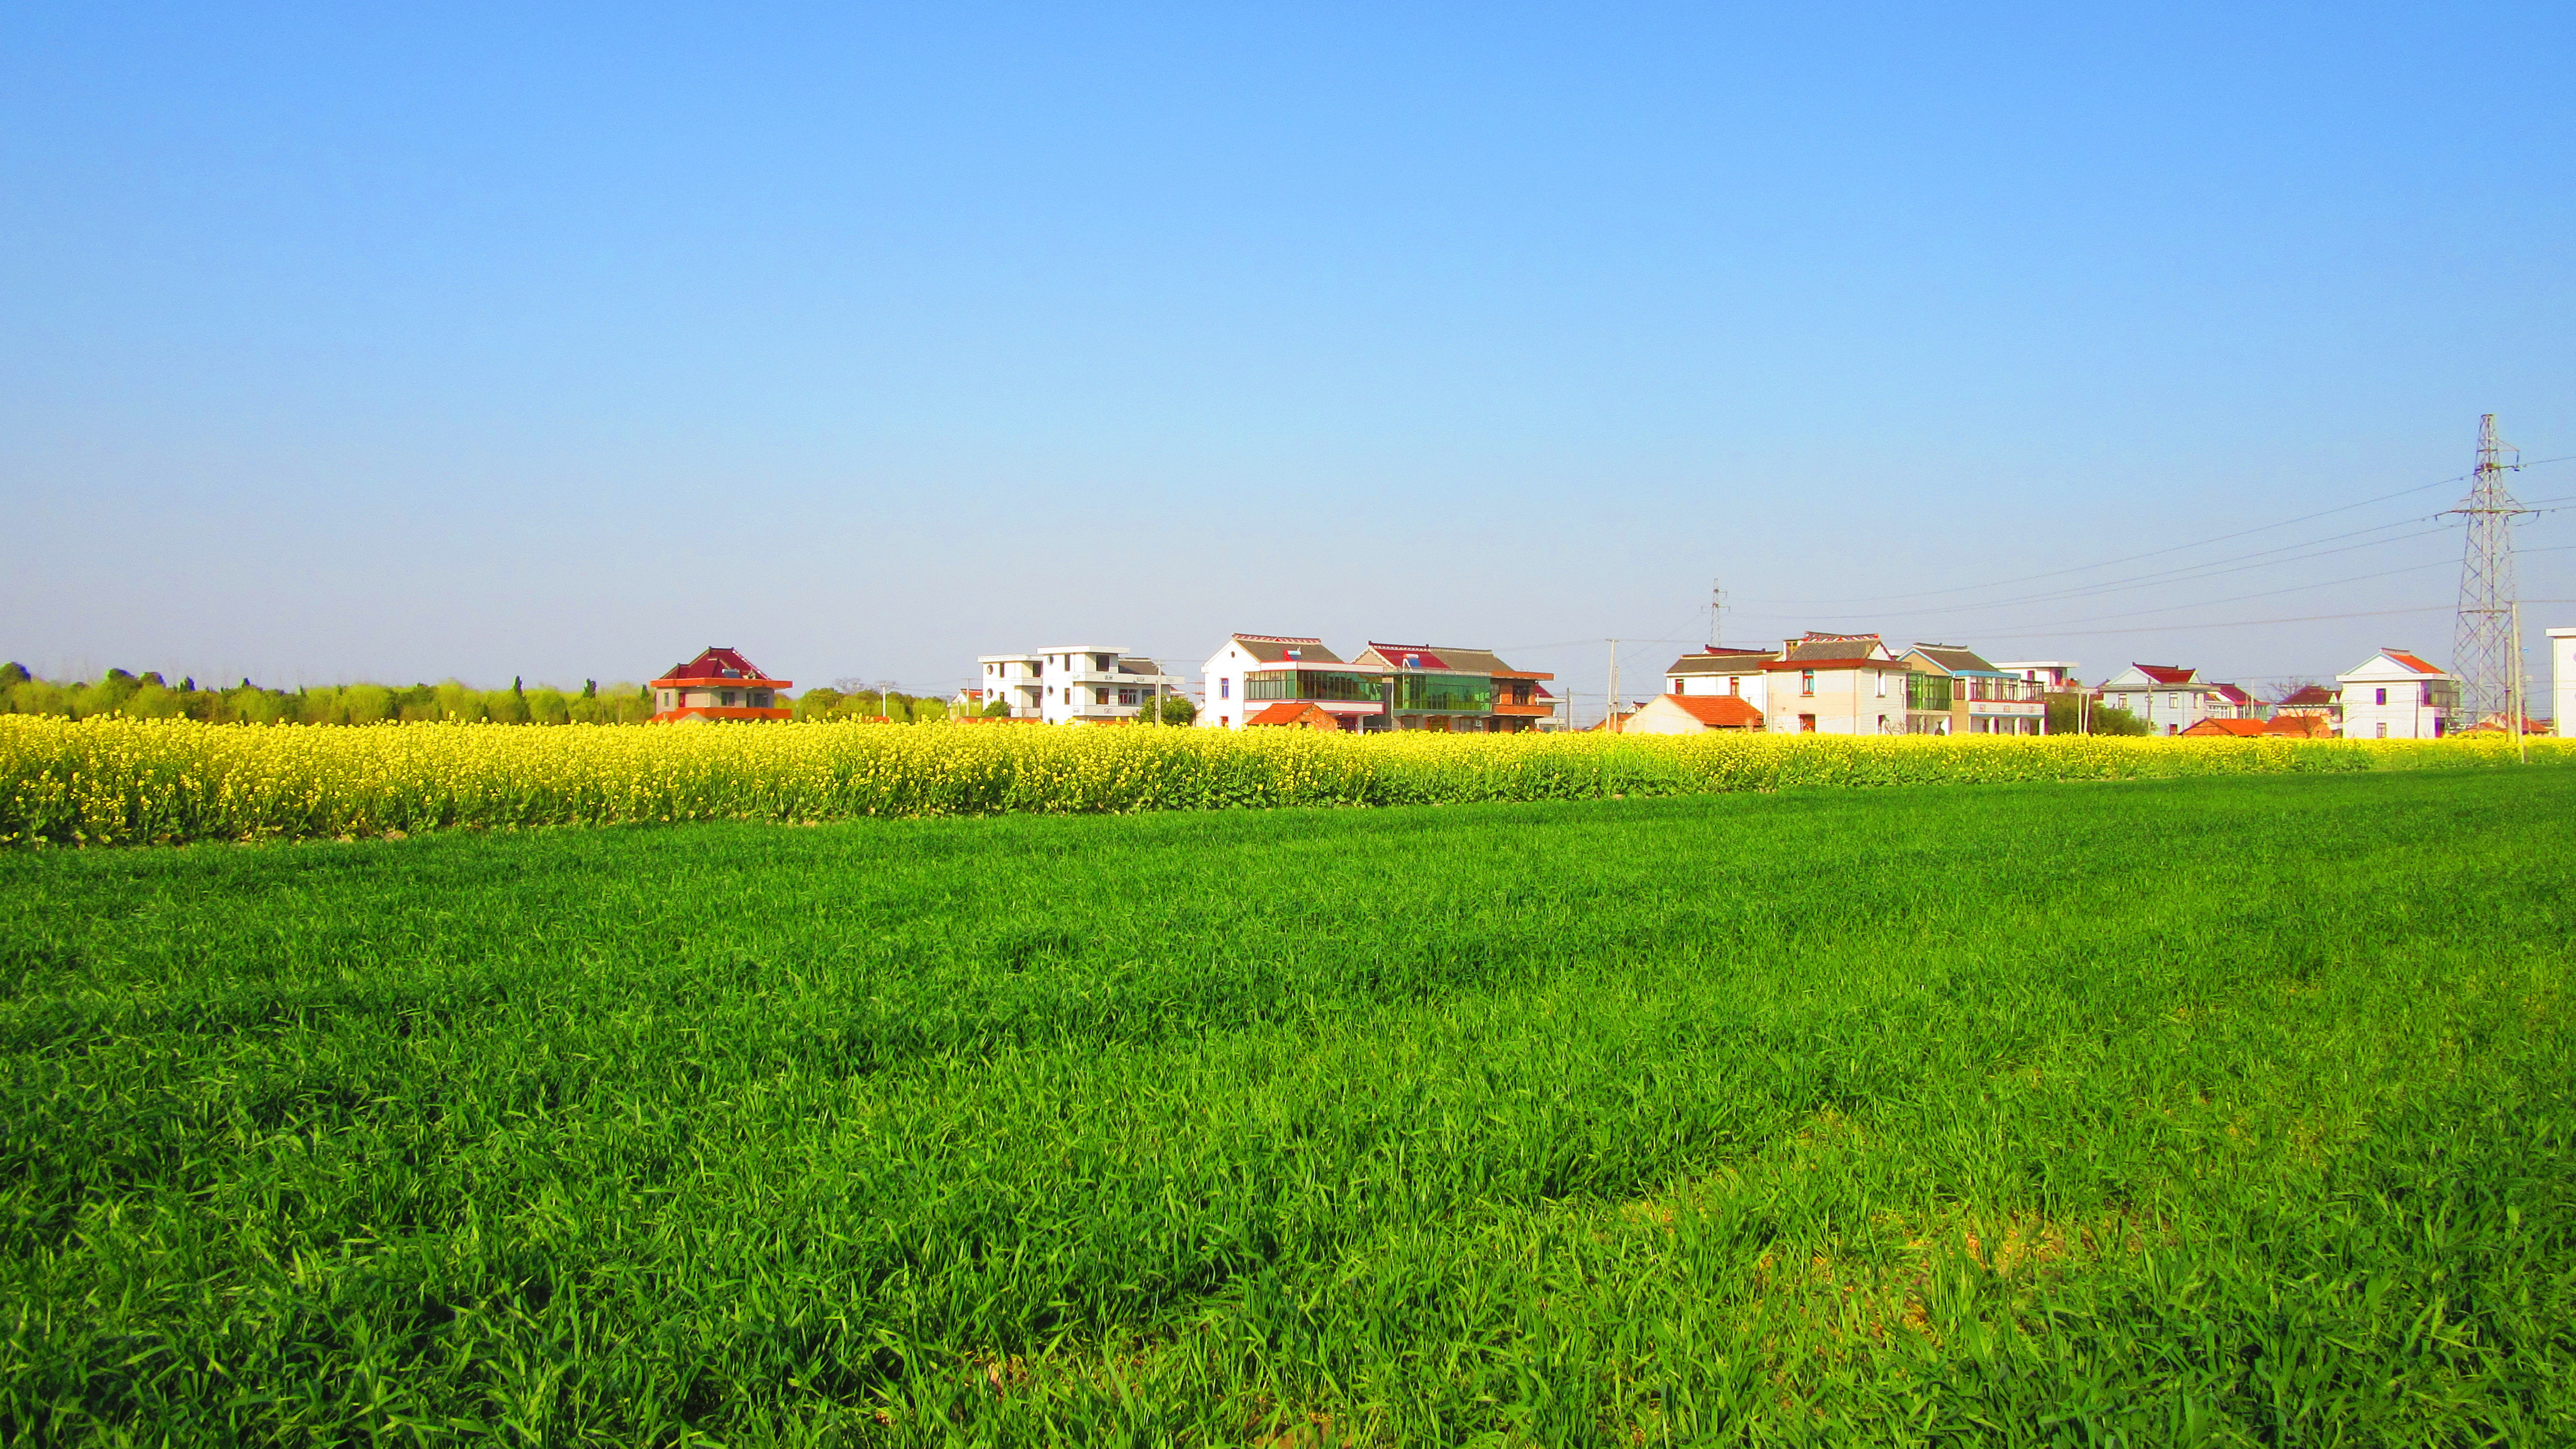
[
  {"x": 1720, "y": 669},
  {"x": 1835, "y": 684},
  {"x": 1985, "y": 699},
  {"x": 2169, "y": 697},
  {"x": 2312, "y": 701},
  {"x": 1387, "y": 687},
  {"x": 1692, "y": 714},
  {"x": 1076, "y": 684},
  {"x": 717, "y": 685},
  {"x": 2397, "y": 695}
]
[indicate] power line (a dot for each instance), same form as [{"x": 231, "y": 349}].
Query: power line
[{"x": 2130, "y": 558}]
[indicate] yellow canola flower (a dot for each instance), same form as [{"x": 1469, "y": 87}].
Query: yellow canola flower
[{"x": 110, "y": 780}]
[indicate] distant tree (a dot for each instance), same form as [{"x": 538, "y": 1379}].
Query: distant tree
[
  {"x": 1179, "y": 710},
  {"x": 926, "y": 710},
  {"x": 2113, "y": 721},
  {"x": 13, "y": 672},
  {"x": 590, "y": 689},
  {"x": 817, "y": 703},
  {"x": 999, "y": 708}
]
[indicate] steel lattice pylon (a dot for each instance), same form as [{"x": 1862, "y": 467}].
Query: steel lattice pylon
[{"x": 2483, "y": 652}]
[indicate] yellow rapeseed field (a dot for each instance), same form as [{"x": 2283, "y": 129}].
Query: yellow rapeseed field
[{"x": 109, "y": 780}]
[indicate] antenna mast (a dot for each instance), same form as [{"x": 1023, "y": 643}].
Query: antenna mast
[
  {"x": 1716, "y": 613},
  {"x": 2483, "y": 643}
]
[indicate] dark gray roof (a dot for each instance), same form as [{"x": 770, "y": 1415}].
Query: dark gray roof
[
  {"x": 1955, "y": 659},
  {"x": 1748, "y": 661},
  {"x": 1270, "y": 650},
  {"x": 1805, "y": 650}
]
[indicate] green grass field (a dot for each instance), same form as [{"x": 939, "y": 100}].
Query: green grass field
[{"x": 2232, "y": 1110}]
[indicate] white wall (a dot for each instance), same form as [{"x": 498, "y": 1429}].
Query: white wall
[
  {"x": 2408, "y": 714},
  {"x": 2562, "y": 681},
  {"x": 1748, "y": 684}
]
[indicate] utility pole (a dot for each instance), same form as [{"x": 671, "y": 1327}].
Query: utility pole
[
  {"x": 2486, "y": 647},
  {"x": 1610, "y": 716},
  {"x": 1716, "y": 613},
  {"x": 2521, "y": 744}
]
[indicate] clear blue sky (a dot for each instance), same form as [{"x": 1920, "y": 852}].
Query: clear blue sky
[{"x": 558, "y": 341}]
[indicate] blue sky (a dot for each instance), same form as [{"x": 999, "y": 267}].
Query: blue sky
[{"x": 561, "y": 341}]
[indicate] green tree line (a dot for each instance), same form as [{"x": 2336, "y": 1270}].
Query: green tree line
[{"x": 149, "y": 696}]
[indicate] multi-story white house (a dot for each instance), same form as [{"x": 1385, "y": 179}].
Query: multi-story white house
[
  {"x": 2053, "y": 673},
  {"x": 1719, "y": 669},
  {"x": 2169, "y": 697},
  {"x": 1076, "y": 684},
  {"x": 2397, "y": 695},
  {"x": 2562, "y": 681},
  {"x": 1836, "y": 684}
]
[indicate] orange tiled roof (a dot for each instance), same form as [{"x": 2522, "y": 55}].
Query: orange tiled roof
[
  {"x": 2238, "y": 727},
  {"x": 1719, "y": 711},
  {"x": 2410, "y": 661}
]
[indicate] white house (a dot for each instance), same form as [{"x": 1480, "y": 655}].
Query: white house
[
  {"x": 1836, "y": 684},
  {"x": 1076, "y": 684},
  {"x": 2396, "y": 695},
  {"x": 2169, "y": 697},
  {"x": 1387, "y": 687},
  {"x": 1720, "y": 670},
  {"x": 2562, "y": 680},
  {"x": 2054, "y": 673}
]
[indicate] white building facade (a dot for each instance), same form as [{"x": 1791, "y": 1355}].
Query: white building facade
[
  {"x": 1076, "y": 684},
  {"x": 2397, "y": 695},
  {"x": 1720, "y": 671},
  {"x": 2562, "y": 682},
  {"x": 2053, "y": 673},
  {"x": 2169, "y": 697}
]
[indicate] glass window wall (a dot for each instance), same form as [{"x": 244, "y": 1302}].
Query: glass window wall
[
  {"x": 1312, "y": 684},
  {"x": 1451, "y": 693}
]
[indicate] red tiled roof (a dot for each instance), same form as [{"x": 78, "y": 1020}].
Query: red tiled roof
[
  {"x": 1719, "y": 711},
  {"x": 1401, "y": 655},
  {"x": 717, "y": 663},
  {"x": 2308, "y": 695},
  {"x": 2166, "y": 673},
  {"x": 2240, "y": 727},
  {"x": 2410, "y": 661},
  {"x": 1836, "y": 663},
  {"x": 2305, "y": 726},
  {"x": 1289, "y": 712},
  {"x": 2233, "y": 695}
]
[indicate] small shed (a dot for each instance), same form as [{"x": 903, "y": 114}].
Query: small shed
[
  {"x": 1295, "y": 715},
  {"x": 1693, "y": 714}
]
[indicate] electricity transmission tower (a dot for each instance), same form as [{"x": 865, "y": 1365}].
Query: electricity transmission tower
[{"x": 2485, "y": 652}]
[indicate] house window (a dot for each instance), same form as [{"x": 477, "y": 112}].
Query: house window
[
  {"x": 1734, "y": 684},
  {"x": 1100, "y": 696},
  {"x": 2383, "y": 725},
  {"x": 2173, "y": 701},
  {"x": 1882, "y": 690},
  {"x": 1806, "y": 724},
  {"x": 1806, "y": 685},
  {"x": 1126, "y": 696},
  {"x": 727, "y": 697},
  {"x": 2379, "y": 696},
  {"x": 1225, "y": 689}
]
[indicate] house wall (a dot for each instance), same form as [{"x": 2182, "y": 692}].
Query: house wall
[
  {"x": 2414, "y": 708},
  {"x": 1847, "y": 701},
  {"x": 2168, "y": 709},
  {"x": 1748, "y": 683},
  {"x": 2562, "y": 681}
]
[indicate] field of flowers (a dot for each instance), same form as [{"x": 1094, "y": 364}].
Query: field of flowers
[{"x": 110, "y": 780}]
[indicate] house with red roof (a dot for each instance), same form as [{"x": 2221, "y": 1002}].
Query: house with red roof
[
  {"x": 719, "y": 684},
  {"x": 1835, "y": 684},
  {"x": 2314, "y": 701},
  {"x": 2171, "y": 698},
  {"x": 2398, "y": 694},
  {"x": 1694, "y": 714},
  {"x": 1442, "y": 688}
]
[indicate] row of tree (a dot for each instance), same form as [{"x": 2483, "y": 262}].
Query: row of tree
[{"x": 149, "y": 696}]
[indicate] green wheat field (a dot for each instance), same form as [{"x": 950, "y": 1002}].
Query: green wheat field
[{"x": 2233, "y": 1110}]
